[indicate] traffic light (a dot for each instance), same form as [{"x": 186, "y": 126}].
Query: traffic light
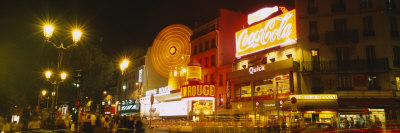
[{"x": 77, "y": 78}]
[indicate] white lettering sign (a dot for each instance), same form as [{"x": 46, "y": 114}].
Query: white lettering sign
[
  {"x": 261, "y": 14},
  {"x": 252, "y": 70},
  {"x": 162, "y": 90},
  {"x": 140, "y": 75}
]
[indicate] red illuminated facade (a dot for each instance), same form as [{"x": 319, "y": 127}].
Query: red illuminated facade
[{"x": 212, "y": 46}]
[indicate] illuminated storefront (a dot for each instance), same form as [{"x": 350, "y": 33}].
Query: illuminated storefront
[
  {"x": 192, "y": 100},
  {"x": 312, "y": 108},
  {"x": 265, "y": 72}
]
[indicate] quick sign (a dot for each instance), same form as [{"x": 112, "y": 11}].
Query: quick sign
[
  {"x": 200, "y": 90},
  {"x": 280, "y": 30},
  {"x": 252, "y": 70}
]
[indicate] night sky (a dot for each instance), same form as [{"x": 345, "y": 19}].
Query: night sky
[{"x": 120, "y": 25}]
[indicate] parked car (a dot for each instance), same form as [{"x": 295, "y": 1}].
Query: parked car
[{"x": 315, "y": 127}]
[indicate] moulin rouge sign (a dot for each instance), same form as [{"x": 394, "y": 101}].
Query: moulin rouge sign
[
  {"x": 280, "y": 30},
  {"x": 198, "y": 90}
]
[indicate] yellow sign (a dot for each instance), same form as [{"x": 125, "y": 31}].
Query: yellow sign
[
  {"x": 315, "y": 97},
  {"x": 204, "y": 107},
  {"x": 277, "y": 31},
  {"x": 200, "y": 90}
]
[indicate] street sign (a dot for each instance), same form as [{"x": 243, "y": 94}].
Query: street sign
[
  {"x": 293, "y": 100},
  {"x": 152, "y": 98}
]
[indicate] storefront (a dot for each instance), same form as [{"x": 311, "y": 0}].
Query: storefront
[
  {"x": 365, "y": 113},
  {"x": 129, "y": 107},
  {"x": 193, "y": 102},
  {"x": 312, "y": 108},
  {"x": 259, "y": 92}
]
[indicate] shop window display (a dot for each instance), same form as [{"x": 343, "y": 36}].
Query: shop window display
[{"x": 245, "y": 91}]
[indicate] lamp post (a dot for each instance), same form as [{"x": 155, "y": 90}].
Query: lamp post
[
  {"x": 48, "y": 31},
  {"x": 123, "y": 66},
  {"x": 55, "y": 82}
]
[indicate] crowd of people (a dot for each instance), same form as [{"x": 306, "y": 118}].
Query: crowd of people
[{"x": 87, "y": 123}]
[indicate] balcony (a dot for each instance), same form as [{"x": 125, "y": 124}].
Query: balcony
[
  {"x": 349, "y": 65},
  {"x": 340, "y": 37},
  {"x": 369, "y": 33},
  {"x": 368, "y": 94},
  {"x": 202, "y": 32}
]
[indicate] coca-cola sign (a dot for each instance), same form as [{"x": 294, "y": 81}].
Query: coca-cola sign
[{"x": 277, "y": 31}]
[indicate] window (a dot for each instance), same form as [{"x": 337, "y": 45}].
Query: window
[
  {"x": 212, "y": 78},
  {"x": 312, "y": 6},
  {"x": 201, "y": 47},
  {"x": 365, "y": 4},
  {"x": 390, "y": 4},
  {"x": 220, "y": 83},
  {"x": 317, "y": 89},
  {"x": 339, "y": 25},
  {"x": 342, "y": 57},
  {"x": 368, "y": 28},
  {"x": 344, "y": 82},
  {"x": 213, "y": 60},
  {"x": 396, "y": 56},
  {"x": 398, "y": 83},
  {"x": 207, "y": 45},
  {"x": 195, "y": 49},
  {"x": 372, "y": 82},
  {"x": 370, "y": 54},
  {"x": 315, "y": 59},
  {"x": 201, "y": 63},
  {"x": 393, "y": 27},
  {"x": 206, "y": 62},
  {"x": 338, "y": 6},
  {"x": 245, "y": 91},
  {"x": 313, "y": 31},
  {"x": 213, "y": 43}
]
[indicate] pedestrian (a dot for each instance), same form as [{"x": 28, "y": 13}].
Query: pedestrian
[
  {"x": 15, "y": 127},
  {"x": 139, "y": 126},
  {"x": 351, "y": 123},
  {"x": 87, "y": 126},
  {"x": 26, "y": 116},
  {"x": 34, "y": 124},
  {"x": 98, "y": 128}
]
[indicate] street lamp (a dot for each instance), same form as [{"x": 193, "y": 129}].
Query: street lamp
[
  {"x": 123, "y": 66},
  {"x": 48, "y": 31},
  {"x": 44, "y": 92}
]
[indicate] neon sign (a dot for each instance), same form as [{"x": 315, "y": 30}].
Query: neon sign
[
  {"x": 200, "y": 90},
  {"x": 202, "y": 107},
  {"x": 261, "y": 14},
  {"x": 277, "y": 31},
  {"x": 252, "y": 70}
]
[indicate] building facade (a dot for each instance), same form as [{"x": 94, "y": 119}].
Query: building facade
[{"x": 351, "y": 48}]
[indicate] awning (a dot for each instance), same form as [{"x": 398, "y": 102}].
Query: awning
[
  {"x": 312, "y": 105},
  {"x": 369, "y": 102}
]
